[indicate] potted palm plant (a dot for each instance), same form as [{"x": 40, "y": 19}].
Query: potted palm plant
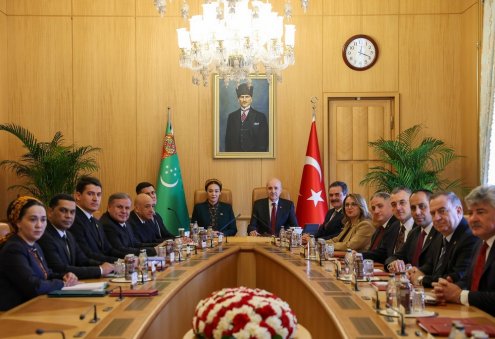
[
  {"x": 412, "y": 164},
  {"x": 48, "y": 167}
]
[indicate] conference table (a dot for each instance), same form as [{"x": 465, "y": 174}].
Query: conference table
[{"x": 325, "y": 306}]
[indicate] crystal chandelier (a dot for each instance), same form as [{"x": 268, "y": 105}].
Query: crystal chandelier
[{"x": 235, "y": 38}]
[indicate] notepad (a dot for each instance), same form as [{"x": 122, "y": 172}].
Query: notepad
[
  {"x": 76, "y": 293},
  {"x": 442, "y": 325},
  {"x": 134, "y": 293},
  {"x": 94, "y": 286}
]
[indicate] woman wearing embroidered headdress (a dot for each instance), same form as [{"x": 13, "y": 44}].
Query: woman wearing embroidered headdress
[
  {"x": 214, "y": 213},
  {"x": 23, "y": 270}
]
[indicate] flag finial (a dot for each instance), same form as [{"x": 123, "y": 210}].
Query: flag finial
[{"x": 314, "y": 100}]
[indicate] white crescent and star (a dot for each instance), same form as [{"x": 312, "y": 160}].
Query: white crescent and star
[
  {"x": 167, "y": 171},
  {"x": 315, "y": 196}
]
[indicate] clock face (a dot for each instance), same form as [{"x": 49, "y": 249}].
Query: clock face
[{"x": 360, "y": 52}]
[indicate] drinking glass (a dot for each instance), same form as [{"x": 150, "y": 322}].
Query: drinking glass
[
  {"x": 418, "y": 299},
  {"x": 368, "y": 267}
]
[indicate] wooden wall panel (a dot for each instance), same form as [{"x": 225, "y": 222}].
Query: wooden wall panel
[
  {"x": 430, "y": 6},
  {"x": 429, "y": 77},
  {"x": 39, "y": 7},
  {"x": 105, "y": 97},
  {"x": 105, "y": 8},
  {"x": 470, "y": 54},
  {"x": 3, "y": 8},
  {"x": 4, "y": 115},
  {"x": 383, "y": 76},
  {"x": 157, "y": 90},
  {"x": 360, "y": 7}
]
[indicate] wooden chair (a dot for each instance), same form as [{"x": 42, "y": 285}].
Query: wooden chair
[
  {"x": 201, "y": 196},
  {"x": 260, "y": 193}
]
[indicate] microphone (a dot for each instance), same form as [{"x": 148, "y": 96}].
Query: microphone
[
  {"x": 40, "y": 331},
  {"x": 263, "y": 224},
  {"x": 176, "y": 216},
  {"x": 229, "y": 223},
  {"x": 120, "y": 298},
  {"x": 95, "y": 316}
]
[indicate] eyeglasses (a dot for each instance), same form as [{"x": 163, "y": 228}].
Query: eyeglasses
[{"x": 350, "y": 204}]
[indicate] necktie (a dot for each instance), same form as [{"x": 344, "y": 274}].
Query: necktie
[
  {"x": 67, "y": 248},
  {"x": 478, "y": 267},
  {"x": 38, "y": 260},
  {"x": 441, "y": 257},
  {"x": 273, "y": 218},
  {"x": 329, "y": 220},
  {"x": 419, "y": 247},
  {"x": 157, "y": 227},
  {"x": 378, "y": 239},
  {"x": 400, "y": 238},
  {"x": 95, "y": 224},
  {"x": 244, "y": 115}
]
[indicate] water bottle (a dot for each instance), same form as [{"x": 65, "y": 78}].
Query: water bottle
[
  {"x": 143, "y": 264},
  {"x": 404, "y": 293},
  {"x": 391, "y": 294},
  {"x": 348, "y": 262}
]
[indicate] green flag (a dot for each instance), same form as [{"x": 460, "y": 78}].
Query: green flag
[{"x": 171, "y": 201}]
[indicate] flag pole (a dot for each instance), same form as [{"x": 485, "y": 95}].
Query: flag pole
[{"x": 314, "y": 101}]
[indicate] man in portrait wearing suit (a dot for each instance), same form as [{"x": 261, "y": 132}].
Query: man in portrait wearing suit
[
  {"x": 383, "y": 239},
  {"x": 148, "y": 189},
  {"x": 272, "y": 213},
  {"x": 119, "y": 232},
  {"x": 247, "y": 129},
  {"x": 452, "y": 250},
  {"x": 419, "y": 243},
  {"x": 332, "y": 225},
  {"x": 61, "y": 250},
  {"x": 477, "y": 287},
  {"x": 87, "y": 229}
]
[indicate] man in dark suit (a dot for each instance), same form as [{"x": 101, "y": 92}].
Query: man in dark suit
[
  {"x": 418, "y": 246},
  {"x": 87, "y": 229},
  {"x": 453, "y": 250},
  {"x": 61, "y": 250},
  {"x": 382, "y": 241},
  {"x": 477, "y": 287},
  {"x": 270, "y": 214},
  {"x": 247, "y": 129},
  {"x": 148, "y": 189},
  {"x": 118, "y": 230},
  {"x": 141, "y": 221},
  {"x": 332, "y": 225}
]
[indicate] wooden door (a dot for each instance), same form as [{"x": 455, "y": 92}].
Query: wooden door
[{"x": 352, "y": 123}]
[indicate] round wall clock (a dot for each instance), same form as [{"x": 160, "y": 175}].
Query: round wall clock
[{"x": 360, "y": 52}]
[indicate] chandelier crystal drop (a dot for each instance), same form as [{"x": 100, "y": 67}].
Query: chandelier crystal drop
[{"x": 235, "y": 38}]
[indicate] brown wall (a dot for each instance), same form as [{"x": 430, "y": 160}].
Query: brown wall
[{"x": 103, "y": 72}]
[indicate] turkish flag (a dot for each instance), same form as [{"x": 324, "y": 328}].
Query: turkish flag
[{"x": 312, "y": 201}]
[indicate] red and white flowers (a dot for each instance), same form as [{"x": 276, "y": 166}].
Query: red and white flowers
[{"x": 243, "y": 312}]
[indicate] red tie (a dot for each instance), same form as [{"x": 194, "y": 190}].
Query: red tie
[
  {"x": 378, "y": 238},
  {"x": 273, "y": 218},
  {"x": 478, "y": 267},
  {"x": 243, "y": 115},
  {"x": 419, "y": 247}
]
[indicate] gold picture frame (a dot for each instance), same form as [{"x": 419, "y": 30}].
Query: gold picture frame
[{"x": 253, "y": 138}]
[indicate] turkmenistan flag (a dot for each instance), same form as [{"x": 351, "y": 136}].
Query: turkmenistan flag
[{"x": 171, "y": 201}]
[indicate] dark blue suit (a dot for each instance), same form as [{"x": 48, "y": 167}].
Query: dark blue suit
[
  {"x": 59, "y": 261},
  {"x": 144, "y": 232},
  {"x": 331, "y": 228},
  {"x": 225, "y": 215},
  {"x": 92, "y": 239},
  {"x": 260, "y": 220},
  {"x": 484, "y": 298},
  {"x": 123, "y": 238},
  {"x": 21, "y": 277},
  {"x": 456, "y": 259},
  {"x": 386, "y": 246}
]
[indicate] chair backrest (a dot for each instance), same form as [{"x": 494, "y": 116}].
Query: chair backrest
[
  {"x": 260, "y": 193},
  {"x": 201, "y": 196}
]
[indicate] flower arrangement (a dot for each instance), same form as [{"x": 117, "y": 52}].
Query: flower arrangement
[{"x": 242, "y": 312}]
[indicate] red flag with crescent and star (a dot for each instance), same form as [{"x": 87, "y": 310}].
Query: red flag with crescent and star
[{"x": 312, "y": 201}]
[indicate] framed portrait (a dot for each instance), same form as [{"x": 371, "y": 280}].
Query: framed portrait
[{"x": 244, "y": 118}]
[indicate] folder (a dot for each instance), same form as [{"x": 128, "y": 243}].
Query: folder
[
  {"x": 134, "y": 293},
  {"x": 76, "y": 293},
  {"x": 441, "y": 326}
]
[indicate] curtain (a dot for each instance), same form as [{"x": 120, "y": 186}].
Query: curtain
[{"x": 487, "y": 97}]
